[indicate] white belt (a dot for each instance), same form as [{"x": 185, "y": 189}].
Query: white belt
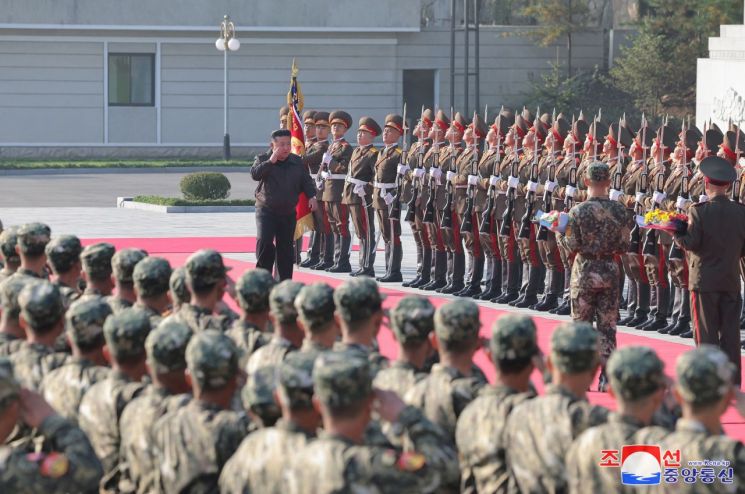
[
  {"x": 501, "y": 193},
  {"x": 359, "y": 186},
  {"x": 336, "y": 176},
  {"x": 461, "y": 186},
  {"x": 381, "y": 185}
]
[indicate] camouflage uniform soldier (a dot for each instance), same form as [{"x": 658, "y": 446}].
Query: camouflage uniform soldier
[
  {"x": 97, "y": 270},
  {"x": 65, "y": 386},
  {"x": 359, "y": 309},
  {"x": 150, "y": 277},
  {"x": 166, "y": 362},
  {"x": 258, "y": 397},
  {"x": 315, "y": 307},
  {"x": 412, "y": 322},
  {"x": 260, "y": 463},
  {"x": 193, "y": 443},
  {"x": 250, "y": 332},
  {"x": 12, "y": 335},
  {"x": 42, "y": 314},
  {"x": 123, "y": 264},
  {"x": 638, "y": 382},
  {"x": 63, "y": 254},
  {"x": 598, "y": 230},
  {"x": 540, "y": 431},
  {"x": 177, "y": 287},
  {"x": 456, "y": 380},
  {"x": 11, "y": 259},
  {"x": 67, "y": 464},
  {"x": 339, "y": 462},
  {"x": 103, "y": 404},
  {"x": 287, "y": 335},
  {"x": 32, "y": 240},
  {"x": 481, "y": 427}
]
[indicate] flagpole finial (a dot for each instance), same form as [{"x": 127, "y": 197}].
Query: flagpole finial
[{"x": 294, "y": 68}]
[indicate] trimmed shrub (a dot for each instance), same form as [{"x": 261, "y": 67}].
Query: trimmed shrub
[{"x": 203, "y": 186}]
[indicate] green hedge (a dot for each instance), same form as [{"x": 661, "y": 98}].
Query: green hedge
[
  {"x": 175, "y": 201},
  {"x": 21, "y": 164},
  {"x": 204, "y": 186}
]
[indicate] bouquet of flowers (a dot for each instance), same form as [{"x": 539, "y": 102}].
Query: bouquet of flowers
[
  {"x": 659, "y": 219},
  {"x": 556, "y": 221}
]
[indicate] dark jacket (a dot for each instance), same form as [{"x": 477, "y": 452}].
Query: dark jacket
[{"x": 281, "y": 183}]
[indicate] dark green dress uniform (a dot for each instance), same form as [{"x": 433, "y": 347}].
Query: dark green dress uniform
[
  {"x": 451, "y": 236},
  {"x": 321, "y": 245}
]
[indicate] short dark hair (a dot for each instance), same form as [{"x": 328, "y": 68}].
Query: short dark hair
[
  {"x": 513, "y": 366},
  {"x": 281, "y": 133}
]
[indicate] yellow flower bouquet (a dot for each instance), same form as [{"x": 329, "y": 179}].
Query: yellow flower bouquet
[{"x": 659, "y": 219}]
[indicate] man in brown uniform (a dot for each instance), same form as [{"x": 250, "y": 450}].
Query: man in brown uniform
[
  {"x": 321, "y": 250},
  {"x": 309, "y": 131},
  {"x": 336, "y": 162},
  {"x": 384, "y": 190},
  {"x": 357, "y": 194},
  {"x": 715, "y": 241}
]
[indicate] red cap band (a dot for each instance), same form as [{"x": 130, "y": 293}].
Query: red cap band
[
  {"x": 557, "y": 137},
  {"x": 442, "y": 125},
  {"x": 730, "y": 154},
  {"x": 613, "y": 142},
  {"x": 459, "y": 126},
  {"x": 720, "y": 183}
]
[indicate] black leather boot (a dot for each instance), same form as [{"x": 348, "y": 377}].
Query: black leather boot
[
  {"x": 474, "y": 285},
  {"x": 441, "y": 266}
]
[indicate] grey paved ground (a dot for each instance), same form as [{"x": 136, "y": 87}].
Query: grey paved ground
[{"x": 96, "y": 189}]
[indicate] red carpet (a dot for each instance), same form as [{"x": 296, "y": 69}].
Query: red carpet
[
  {"x": 188, "y": 244},
  {"x": 668, "y": 352}
]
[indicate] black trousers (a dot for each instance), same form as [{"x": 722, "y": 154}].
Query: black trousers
[
  {"x": 716, "y": 320},
  {"x": 275, "y": 241}
]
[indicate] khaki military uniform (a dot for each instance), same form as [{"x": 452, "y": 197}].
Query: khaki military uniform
[
  {"x": 338, "y": 212},
  {"x": 384, "y": 185},
  {"x": 357, "y": 196}
]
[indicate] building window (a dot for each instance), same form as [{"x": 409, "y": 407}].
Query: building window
[
  {"x": 419, "y": 89},
  {"x": 131, "y": 79}
]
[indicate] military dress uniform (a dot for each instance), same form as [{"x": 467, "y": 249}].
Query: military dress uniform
[
  {"x": 460, "y": 187},
  {"x": 321, "y": 246},
  {"x": 448, "y": 219}
]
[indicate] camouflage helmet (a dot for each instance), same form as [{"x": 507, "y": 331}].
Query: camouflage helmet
[
  {"x": 10, "y": 288},
  {"x": 635, "y": 372},
  {"x": 282, "y": 301},
  {"x": 205, "y": 268},
  {"x": 96, "y": 260},
  {"x": 8, "y": 242},
  {"x": 33, "y": 238},
  {"x": 513, "y": 337},
  {"x": 412, "y": 319},
  {"x": 295, "y": 380},
  {"x": 358, "y": 299},
  {"x": 253, "y": 289},
  {"x": 85, "y": 320},
  {"x": 315, "y": 305},
  {"x": 10, "y": 390},
  {"x": 63, "y": 252},
  {"x": 457, "y": 321},
  {"x": 177, "y": 283},
  {"x": 598, "y": 172},
  {"x": 574, "y": 347},
  {"x": 166, "y": 347},
  {"x": 124, "y": 261},
  {"x": 151, "y": 277},
  {"x": 125, "y": 333},
  {"x": 212, "y": 359},
  {"x": 258, "y": 394},
  {"x": 341, "y": 378},
  {"x": 41, "y": 305},
  {"x": 705, "y": 375}
]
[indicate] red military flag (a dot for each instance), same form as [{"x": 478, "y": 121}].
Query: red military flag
[{"x": 303, "y": 214}]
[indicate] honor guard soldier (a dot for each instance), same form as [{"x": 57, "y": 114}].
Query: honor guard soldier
[
  {"x": 321, "y": 253},
  {"x": 357, "y": 195},
  {"x": 384, "y": 188},
  {"x": 336, "y": 166},
  {"x": 309, "y": 128},
  {"x": 284, "y": 117}
]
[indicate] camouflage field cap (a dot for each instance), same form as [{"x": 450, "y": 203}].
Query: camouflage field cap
[
  {"x": 704, "y": 375},
  {"x": 123, "y": 263},
  {"x": 10, "y": 288},
  {"x": 207, "y": 266},
  {"x": 126, "y": 332},
  {"x": 412, "y": 319},
  {"x": 598, "y": 172},
  {"x": 41, "y": 304},
  {"x": 253, "y": 289},
  {"x": 574, "y": 347},
  {"x": 295, "y": 380},
  {"x": 258, "y": 393},
  {"x": 341, "y": 378},
  {"x": 152, "y": 276},
  {"x": 315, "y": 305},
  {"x": 177, "y": 283},
  {"x": 457, "y": 320},
  {"x": 282, "y": 301},
  {"x": 513, "y": 338},
  {"x": 166, "y": 347},
  {"x": 358, "y": 299},
  {"x": 635, "y": 372},
  {"x": 212, "y": 359},
  {"x": 63, "y": 252},
  {"x": 9, "y": 388},
  {"x": 85, "y": 319},
  {"x": 8, "y": 242},
  {"x": 96, "y": 260},
  {"x": 33, "y": 238}
]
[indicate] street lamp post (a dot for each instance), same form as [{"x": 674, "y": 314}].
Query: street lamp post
[{"x": 225, "y": 43}]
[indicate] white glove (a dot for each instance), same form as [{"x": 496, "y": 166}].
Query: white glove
[
  {"x": 532, "y": 186},
  {"x": 703, "y": 198},
  {"x": 682, "y": 202},
  {"x": 449, "y": 176},
  {"x": 419, "y": 172},
  {"x": 326, "y": 158},
  {"x": 550, "y": 186},
  {"x": 658, "y": 197},
  {"x": 640, "y": 197},
  {"x": 388, "y": 198},
  {"x": 473, "y": 180},
  {"x": 570, "y": 191},
  {"x": 494, "y": 180},
  {"x": 435, "y": 173},
  {"x": 615, "y": 194},
  {"x": 513, "y": 182},
  {"x": 403, "y": 168},
  {"x": 324, "y": 175}
]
